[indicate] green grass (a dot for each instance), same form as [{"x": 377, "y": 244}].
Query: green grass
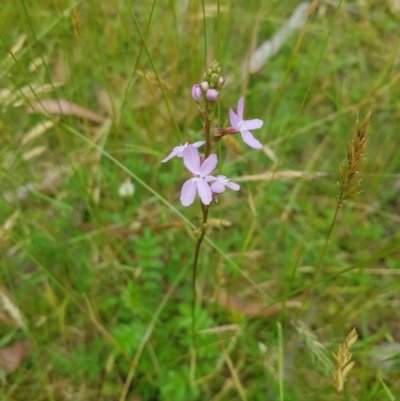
[{"x": 104, "y": 284}]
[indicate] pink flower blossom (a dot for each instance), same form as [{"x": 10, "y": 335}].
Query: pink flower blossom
[
  {"x": 243, "y": 126},
  {"x": 218, "y": 186},
  {"x": 212, "y": 95},
  {"x": 179, "y": 151},
  {"x": 196, "y": 92},
  {"x": 197, "y": 184}
]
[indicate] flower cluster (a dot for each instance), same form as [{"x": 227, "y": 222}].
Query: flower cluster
[
  {"x": 200, "y": 169},
  {"x": 206, "y": 186}
]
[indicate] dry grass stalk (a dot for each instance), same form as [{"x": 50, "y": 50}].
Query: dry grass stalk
[
  {"x": 16, "y": 48},
  {"x": 355, "y": 156},
  {"x": 36, "y": 131},
  {"x": 343, "y": 358},
  {"x": 9, "y": 312},
  {"x": 281, "y": 176}
]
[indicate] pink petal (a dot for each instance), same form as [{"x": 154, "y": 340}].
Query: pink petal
[
  {"x": 198, "y": 144},
  {"x": 188, "y": 192},
  {"x": 217, "y": 187},
  {"x": 209, "y": 178},
  {"x": 240, "y": 108},
  {"x": 170, "y": 156},
  {"x": 204, "y": 192},
  {"x": 233, "y": 186},
  {"x": 249, "y": 139},
  {"x": 254, "y": 124},
  {"x": 233, "y": 119},
  {"x": 191, "y": 158},
  {"x": 208, "y": 165},
  {"x": 180, "y": 150}
]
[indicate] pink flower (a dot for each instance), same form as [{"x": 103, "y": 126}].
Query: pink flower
[
  {"x": 218, "y": 186},
  {"x": 243, "y": 126},
  {"x": 197, "y": 184},
  {"x": 212, "y": 95},
  {"x": 180, "y": 150},
  {"x": 196, "y": 92}
]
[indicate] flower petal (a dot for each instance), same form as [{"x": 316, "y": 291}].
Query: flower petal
[
  {"x": 191, "y": 158},
  {"x": 188, "y": 192},
  {"x": 170, "y": 156},
  {"x": 254, "y": 124},
  {"x": 232, "y": 185},
  {"x": 198, "y": 144},
  {"x": 222, "y": 178},
  {"x": 208, "y": 165},
  {"x": 217, "y": 187},
  {"x": 181, "y": 149},
  {"x": 249, "y": 139},
  {"x": 233, "y": 119},
  {"x": 204, "y": 192},
  {"x": 209, "y": 178},
  {"x": 240, "y": 108}
]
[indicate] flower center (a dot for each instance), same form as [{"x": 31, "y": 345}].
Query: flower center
[{"x": 241, "y": 125}]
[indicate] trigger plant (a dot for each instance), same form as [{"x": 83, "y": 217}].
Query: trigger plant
[{"x": 200, "y": 161}]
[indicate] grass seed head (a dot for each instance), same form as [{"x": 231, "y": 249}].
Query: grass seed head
[
  {"x": 355, "y": 156},
  {"x": 343, "y": 364}
]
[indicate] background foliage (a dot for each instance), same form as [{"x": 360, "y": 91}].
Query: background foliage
[{"x": 102, "y": 283}]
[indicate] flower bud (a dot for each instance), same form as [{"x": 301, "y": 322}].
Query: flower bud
[
  {"x": 214, "y": 66},
  {"x": 214, "y": 77},
  {"x": 221, "y": 82},
  {"x": 204, "y": 86},
  {"x": 212, "y": 95},
  {"x": 196, "y": 92}
]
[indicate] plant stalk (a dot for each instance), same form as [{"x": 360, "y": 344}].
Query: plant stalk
[{"x": 199, "y": 242}]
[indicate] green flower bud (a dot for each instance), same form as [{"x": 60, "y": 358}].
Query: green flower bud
[{"x": 214, "y": 78}]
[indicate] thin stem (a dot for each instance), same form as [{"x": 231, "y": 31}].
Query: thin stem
[
  {"x": 208, "y": 141},
  {"x": 204, "y": 209},
  {"x": 280, "y": 361},
  {"x": 195, "y": 263},
  {"x": 194, "y": 299}
]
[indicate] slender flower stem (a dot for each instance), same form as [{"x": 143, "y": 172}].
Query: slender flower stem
[
  {"x": 200, "y": 239},
  {"x": 208, "y": 140},
  {"x": 195, "y": 263}
]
